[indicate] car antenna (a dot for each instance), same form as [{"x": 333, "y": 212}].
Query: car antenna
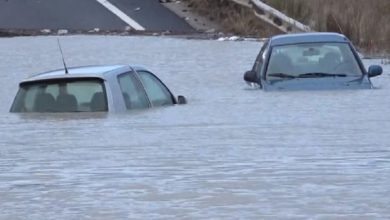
[
  {"x": 338, "y": 24},
  {"x": 62, "y": 55}
]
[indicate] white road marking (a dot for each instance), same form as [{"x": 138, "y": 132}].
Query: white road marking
[{"x": 124, "y": 17}]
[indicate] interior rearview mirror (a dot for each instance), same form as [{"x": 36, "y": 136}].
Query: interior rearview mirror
[
  {"x": 374, "y": 70},
  {"x": 311, "y": 52}
]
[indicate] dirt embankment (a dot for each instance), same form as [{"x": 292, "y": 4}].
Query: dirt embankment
[
  {"x": 232, "y": 18},
  {"x": 365, "y": 22}
]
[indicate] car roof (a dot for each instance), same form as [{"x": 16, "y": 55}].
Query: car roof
[
  {"x": 93, "y": 71},
  {"x": 286, "y": 39}
]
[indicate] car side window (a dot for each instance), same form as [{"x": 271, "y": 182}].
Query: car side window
[
  {"x": 158, "y": 94},
  {"x": 133, "y": 94}
]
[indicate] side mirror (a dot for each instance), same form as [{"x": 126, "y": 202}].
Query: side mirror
[
  {"x": 250, "y": 76},
  {"x": 374, "y": 70},
  {"x": 181, "y": 100}
]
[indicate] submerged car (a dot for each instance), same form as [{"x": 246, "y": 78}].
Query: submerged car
[
  {"x": 310, "y": 61},
  {"x": 115, "y": 88}
]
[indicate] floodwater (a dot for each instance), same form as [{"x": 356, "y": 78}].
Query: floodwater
[{"x": 232, "y": 152}]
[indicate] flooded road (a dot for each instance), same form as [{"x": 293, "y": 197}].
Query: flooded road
[{"x": 232, "y": 153}]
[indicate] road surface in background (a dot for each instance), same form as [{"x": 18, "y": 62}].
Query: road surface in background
[{"x": 89, "y": 14}]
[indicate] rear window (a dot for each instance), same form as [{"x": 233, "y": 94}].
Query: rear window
[{"x": 82, "y": 95}]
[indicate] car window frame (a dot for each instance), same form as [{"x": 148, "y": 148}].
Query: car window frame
[
  {"x": 358, "y": 60},
  {"x": 261, "y": 61},
  {"x": 137, "y": 72},
  {"x": 138, "y": 83},
  {"x": 260, "y": 57}
]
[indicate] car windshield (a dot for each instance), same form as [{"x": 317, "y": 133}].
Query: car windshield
[
  {"x": 82, "y": 95},
  {"x": 312, "y": 60}
]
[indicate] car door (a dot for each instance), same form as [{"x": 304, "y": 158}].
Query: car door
[
  {"x": 134, "y": 95},
  {"x": 158, "y": 93}
]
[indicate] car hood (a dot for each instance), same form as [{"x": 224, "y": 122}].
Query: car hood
[{"x": 324, "y": 83}]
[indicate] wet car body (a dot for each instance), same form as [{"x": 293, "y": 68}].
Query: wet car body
[
  {"x": 310, "y": 61},
  {"x": 109, "y": 88}
]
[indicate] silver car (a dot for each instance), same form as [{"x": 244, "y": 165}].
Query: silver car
[{"x": 114, "y": 88}]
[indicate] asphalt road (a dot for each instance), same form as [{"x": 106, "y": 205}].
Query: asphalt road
[{"x": 149, "y": 15}]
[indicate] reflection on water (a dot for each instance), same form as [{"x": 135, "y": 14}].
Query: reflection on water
[{"x": 231, "y": 153}]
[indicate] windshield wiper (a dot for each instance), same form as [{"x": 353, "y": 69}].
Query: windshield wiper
[
  {"x": 282, "y": 75},
  {"x": 311, "y": 75}
]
